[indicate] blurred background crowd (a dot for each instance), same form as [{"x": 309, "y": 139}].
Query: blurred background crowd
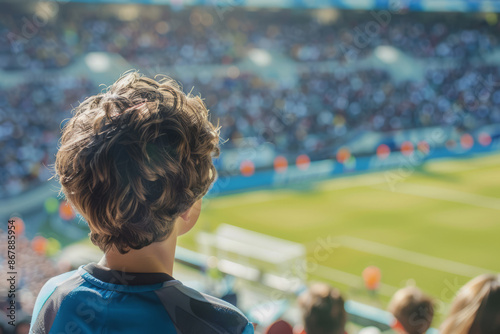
[
  {"x": 165, "y": 36},
  {"x": 317, "y": 111}
]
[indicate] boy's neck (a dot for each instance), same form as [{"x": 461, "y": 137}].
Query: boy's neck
[{"x": 155, "y": 258}]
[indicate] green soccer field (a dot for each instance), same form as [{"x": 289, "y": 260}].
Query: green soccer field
[{"x": 437, "y": 226}]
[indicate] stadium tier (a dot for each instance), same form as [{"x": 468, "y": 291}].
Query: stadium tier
[{"x": 328, "y": 89}]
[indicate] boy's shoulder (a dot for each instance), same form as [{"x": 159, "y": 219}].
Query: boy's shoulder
[
  {"x": 49, "y": 301},
  {"x": 195, "y": 312},
  {"x": 190, "y": 311}
]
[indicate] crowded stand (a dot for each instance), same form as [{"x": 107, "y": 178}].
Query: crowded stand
[
  {"x": 294, "y": 119},
  {"x": 160, "y": 42},
  {"x": 422, "y": 36},
  {"x": 223, "y": 37},
  {"x": 32, "y": 114},
  {"x": 323, "y": 107},
  {"x": 35, "y": 268},
  {"x": 312, "y": 116}
]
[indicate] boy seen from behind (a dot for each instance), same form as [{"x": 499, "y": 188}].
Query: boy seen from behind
[{"x": 135, "y": 162}]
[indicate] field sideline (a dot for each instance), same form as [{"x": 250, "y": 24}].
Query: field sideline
[{"x": 436, "y": 228}]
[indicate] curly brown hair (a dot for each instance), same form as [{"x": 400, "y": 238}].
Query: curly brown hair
[{"x": 135, "y": 157}]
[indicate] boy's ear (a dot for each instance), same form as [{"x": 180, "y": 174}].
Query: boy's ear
[
  {"x": 187, "y": 214},
  {"x": 189, "y": 218}
]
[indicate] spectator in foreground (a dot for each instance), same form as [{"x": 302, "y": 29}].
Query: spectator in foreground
[
  {"x": 413, "y": 311},
  {"x": 135, "y": 162},
  {"x": 476, "y": 308},
  {"x": 323, "y": 310}
]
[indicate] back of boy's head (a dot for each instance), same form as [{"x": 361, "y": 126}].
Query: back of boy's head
[
  {"x": 323, "y": 310},
  {"x": 132, "y": 159},
  {"x": 413, "y": 309}
]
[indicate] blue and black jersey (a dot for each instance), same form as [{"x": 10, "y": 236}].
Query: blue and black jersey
[{"x": 95, "y": 299}]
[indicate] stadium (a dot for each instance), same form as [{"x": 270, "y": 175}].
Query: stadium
[{"x": 360, "y": 146}]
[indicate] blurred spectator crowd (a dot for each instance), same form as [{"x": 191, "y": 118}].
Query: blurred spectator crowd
[
  {"x": 323, "y": 108},
  {"x": 317, "y": 114},
  {"x": 32, "y": 271},
  {"x": 159, "y": 36},
  {"x": 31, "y": 115}
]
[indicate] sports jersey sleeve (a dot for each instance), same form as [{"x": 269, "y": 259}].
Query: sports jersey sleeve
[
  {"x": 248, "y": 329},
  {"x": 195, "y": 312},
  {"x": 46, "y": 306}
]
